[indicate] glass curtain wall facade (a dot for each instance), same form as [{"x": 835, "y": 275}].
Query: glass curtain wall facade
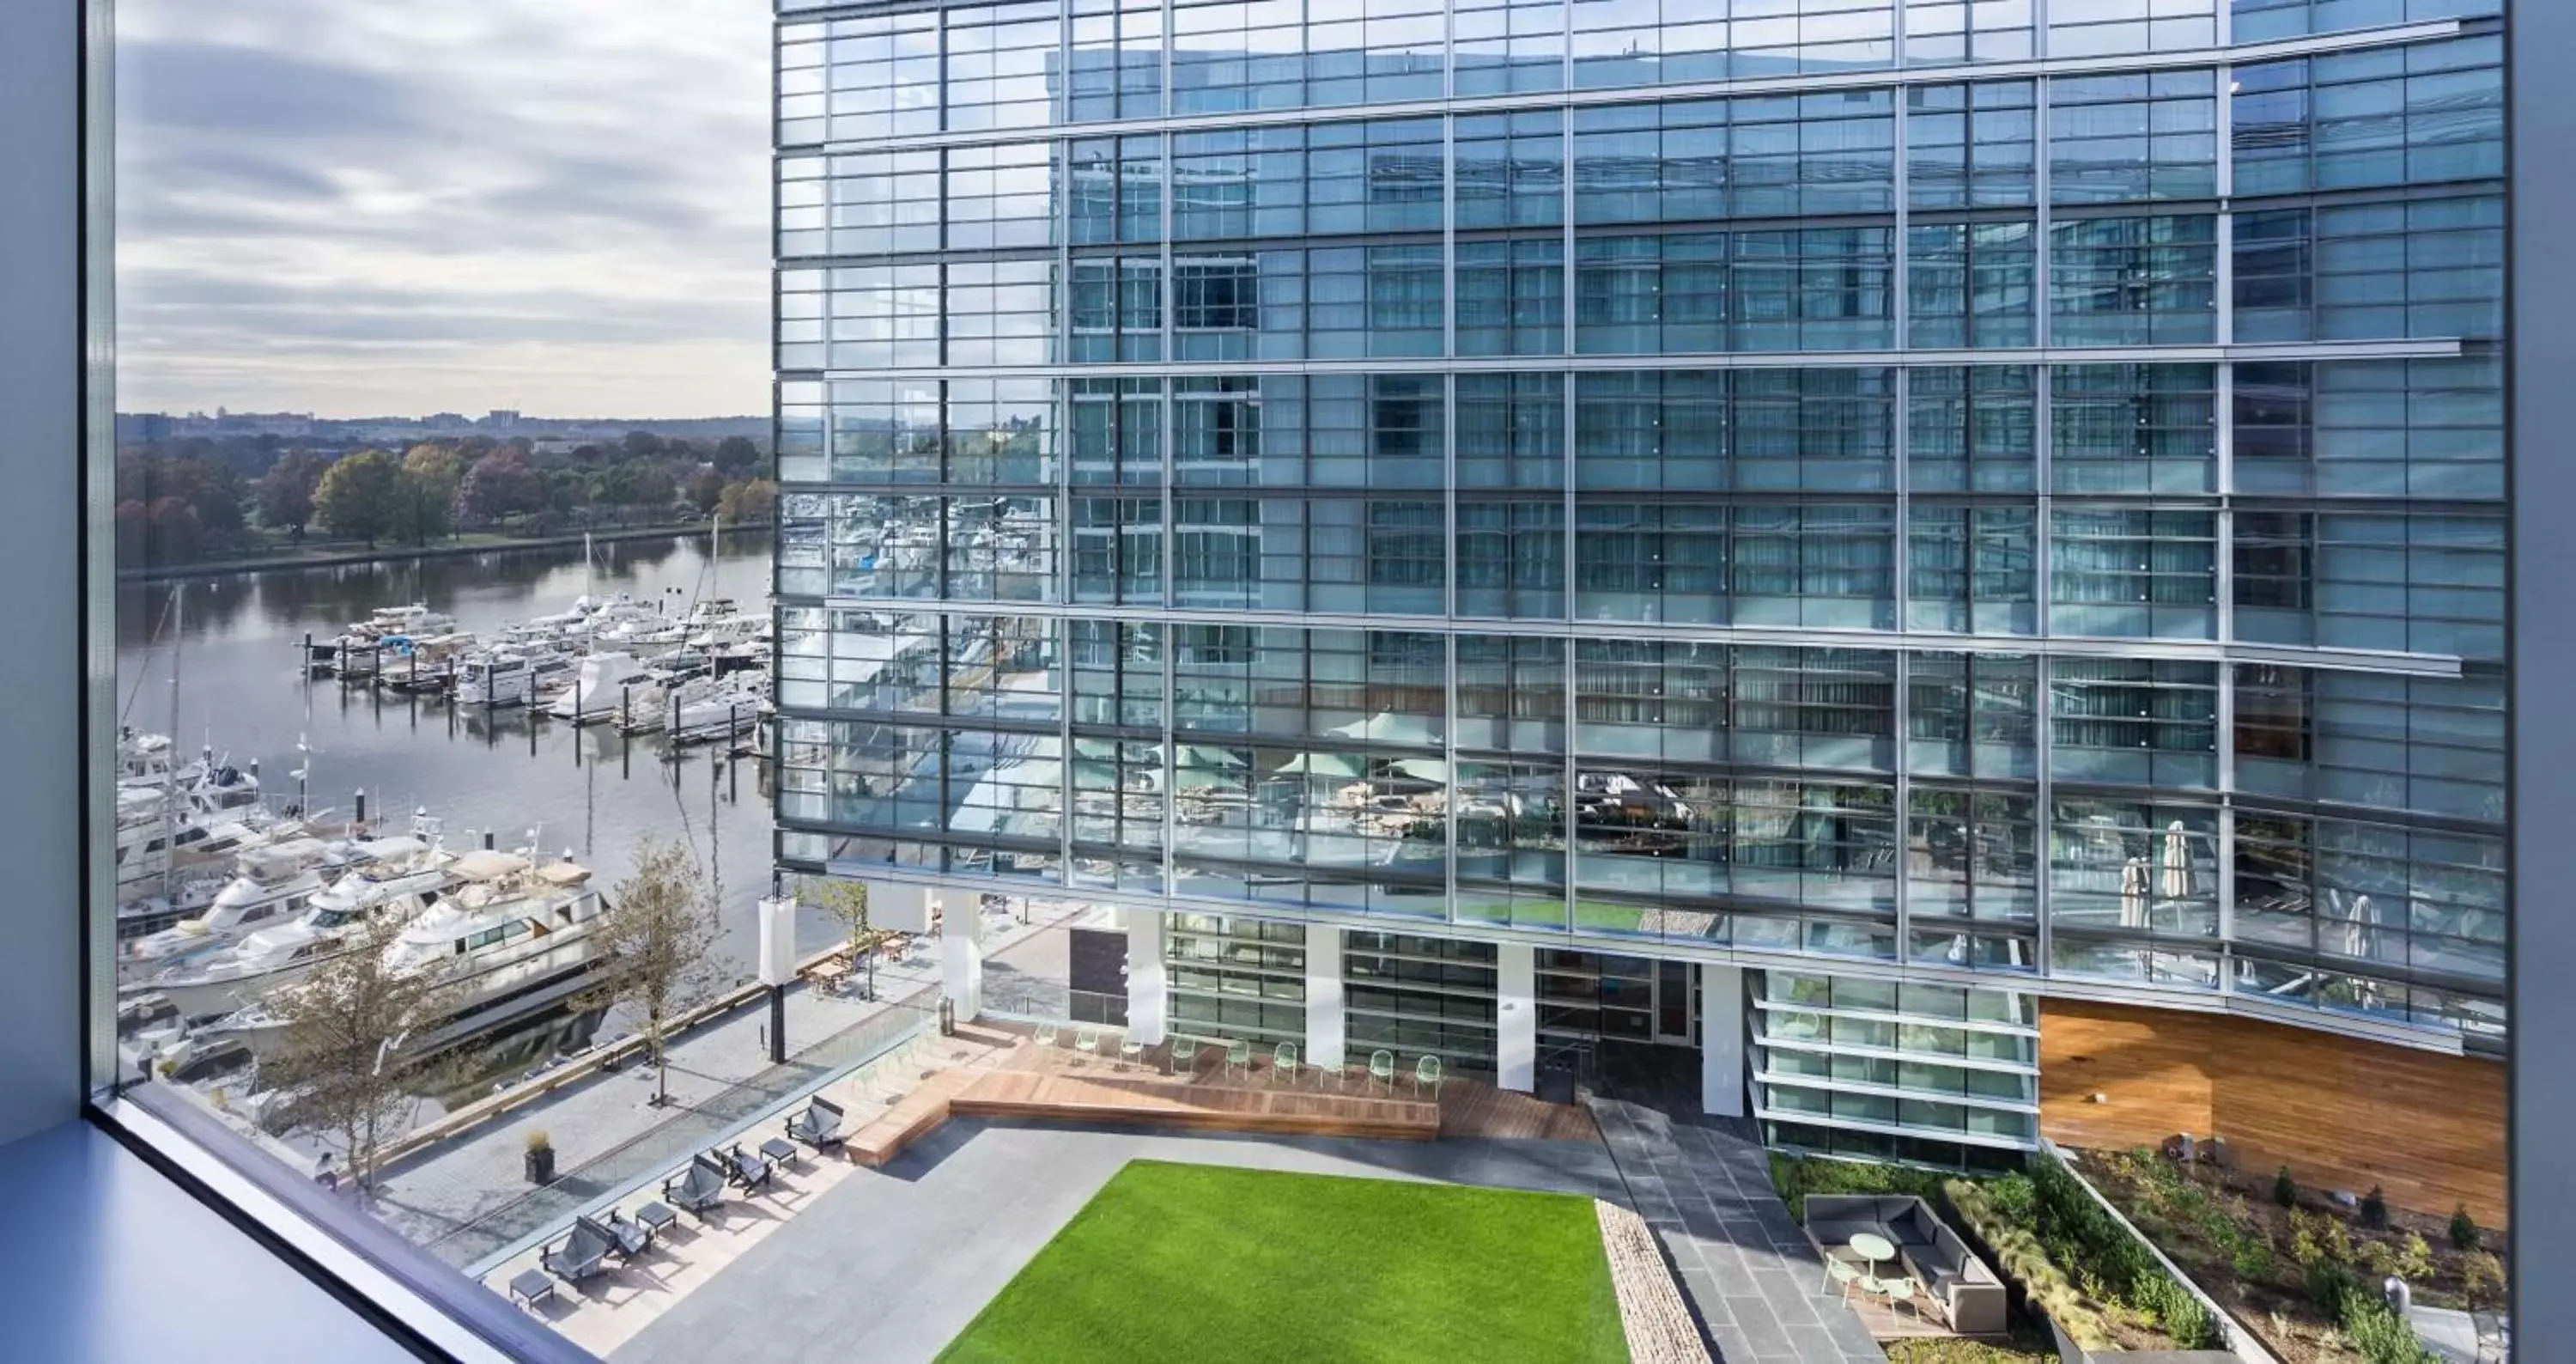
[{"x": 2010, "y": 492}]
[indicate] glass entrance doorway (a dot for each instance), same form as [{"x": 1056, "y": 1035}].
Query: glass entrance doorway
[{"x": 1676, "y": 1004}]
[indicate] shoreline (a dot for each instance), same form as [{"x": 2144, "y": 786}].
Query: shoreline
[{"x": 216, "y": 568}]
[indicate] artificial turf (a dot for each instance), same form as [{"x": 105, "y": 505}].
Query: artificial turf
[{"x": 1171, "y": 1263}]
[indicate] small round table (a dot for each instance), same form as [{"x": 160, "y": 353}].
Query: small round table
[{"x": 1873, "y": 1248}]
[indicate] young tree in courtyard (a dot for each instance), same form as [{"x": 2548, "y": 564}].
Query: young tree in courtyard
[
  {"x": 342, "y": 1062},
  {"x": 361, "y": 496},
  {"x": 847, "y": 902},
  {"x": 651, "y": 945}
]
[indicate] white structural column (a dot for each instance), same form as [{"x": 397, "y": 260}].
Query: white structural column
[
  {"x": 961, "y": 952},
  {"x": 1516, "y": 1017},
  {"x": 1721, "y": 1040},
  {"x": 1148, "y": 996},
  {"x": 1325, "y": 1045}
]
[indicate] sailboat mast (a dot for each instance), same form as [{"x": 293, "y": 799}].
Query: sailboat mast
[{"x": 170, "y": 757}]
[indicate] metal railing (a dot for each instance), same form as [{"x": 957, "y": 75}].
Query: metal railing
[{"x": 506, "y": 1230}]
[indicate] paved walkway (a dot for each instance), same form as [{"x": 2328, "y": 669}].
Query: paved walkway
[
  {"x": 1744, "y": 1262},
  {"x": 446, "y": 1198},
  {"x": 888, "y": 1266}
]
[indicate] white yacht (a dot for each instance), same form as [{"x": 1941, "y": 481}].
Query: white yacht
[
  {"x": 663, "y": 629},
  {"x": 401, "y": 883},
  {"x": 150, "y": 762},
  {"x": 599, "y": 687},
  {"x": 358, "y": 650},
  {"x": 721, "y": 709},
  {"x": 511, "y": 677},
  {"x": 271, "y": 884},
  {"x": 512, "y": 938}
]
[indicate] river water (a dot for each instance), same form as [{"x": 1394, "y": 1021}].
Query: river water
[{"x": 587, "y": 790}]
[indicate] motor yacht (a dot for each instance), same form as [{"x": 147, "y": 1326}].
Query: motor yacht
[
  {"x": 511, "y": 939},
  {"x": 409, "y": 876},
  {"x": 600, "y": 685}
]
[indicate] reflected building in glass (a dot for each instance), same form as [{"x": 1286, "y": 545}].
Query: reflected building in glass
[{"x": 1844, "y": 540}]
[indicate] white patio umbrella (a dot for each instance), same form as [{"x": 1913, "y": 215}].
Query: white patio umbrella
[
  {"x": 2177, "y": 863},
  {"x": 2133, "y": 893}
]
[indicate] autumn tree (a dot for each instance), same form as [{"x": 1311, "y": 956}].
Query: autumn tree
[
  {"x": 341, "y": 1061},
  {"x": 285, "y": 492},
  {"x": 705, "y": 488},
  {"x": 752, "y": 503},
  {"x": 361, "y": 496},
  {"x": 501, "y": 484},
  {"x": 651, "y": 946},
  {"x": 736, "y": 457},
  {"x": 431, "y": 475}
]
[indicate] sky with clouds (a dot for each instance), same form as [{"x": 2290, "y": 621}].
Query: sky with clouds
[{"x": 361, "y": 207}]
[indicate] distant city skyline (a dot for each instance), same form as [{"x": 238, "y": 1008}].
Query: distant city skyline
[{"x": 353, "y": 211}]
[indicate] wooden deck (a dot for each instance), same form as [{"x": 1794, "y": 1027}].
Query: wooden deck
[{"x": 994, "y": 1070}]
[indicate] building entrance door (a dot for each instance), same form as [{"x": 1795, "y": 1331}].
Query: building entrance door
[{"x": 1676, "y": 1004}]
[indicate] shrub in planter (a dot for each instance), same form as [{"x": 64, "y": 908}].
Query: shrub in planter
[
  {"x": 2482, "y": 1278},
  {"x": 2285, "y": 1190},
  {"x": 2328, "y": 1284},
  {"x": 2254, "y": 1263},
  {"x": 539, "y": 1160},
  {"x": 2374, "y": 1209},
  {"x": 2414, "y": 1259},
  {"x": 2464, "y": 1229}
]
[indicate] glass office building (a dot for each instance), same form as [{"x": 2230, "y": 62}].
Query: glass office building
[{"x": 1801, "y": 529}]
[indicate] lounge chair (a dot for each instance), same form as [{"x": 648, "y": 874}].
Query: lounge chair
[
  {"x": 1283, "y": 1061},
  {"x": 1426, "y": 1076},
  {"x": 698, "y": 1188},
  {"x": 747, "y": 1170},
  {"x": 1382, "y": 1067},
  {"x": 626, "y": 1240},
  {"x": 819, "y": 1126},
  {"x": 584, "y": 1252}
]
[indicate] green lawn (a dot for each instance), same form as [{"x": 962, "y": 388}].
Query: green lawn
[{"x": 1207, "y": 1263}]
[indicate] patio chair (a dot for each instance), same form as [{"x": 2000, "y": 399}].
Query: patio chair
[
  {"x": 697, "y": 1189},
  {"x": 1426, "y": 1076},
  {"x": 1283, "y": 1061},
  {"x": 819, "y": 1126},
  {"x": 1238, "y": 1057},
  {"x": 1898, "y": 1290},
  {"x": 1130, "y": 1050},
  {"x": 1382, "y": 1067},
  {"x": 749, "y": 1171},
  {"x": 1047, "y": 1034},
  {"x": 1840, "y": 1272},
  {"x": 1184, "y": 1057},
  {"x": 584, "y": 1252},
  {"x": 626, "y": 1240},
  {"x": 1087, "y": 1041}
]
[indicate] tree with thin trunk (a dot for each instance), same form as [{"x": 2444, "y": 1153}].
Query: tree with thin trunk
[
  {"x": 847, "y": 902},
  {"x": 653, "y": 946},
  {"x": 342, "y": 1063}
]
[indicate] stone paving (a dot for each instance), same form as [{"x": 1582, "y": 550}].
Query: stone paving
[{"x": 1746, "y": 1266}]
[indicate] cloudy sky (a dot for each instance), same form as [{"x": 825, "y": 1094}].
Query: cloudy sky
[{"x": 360, "y": 207}]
